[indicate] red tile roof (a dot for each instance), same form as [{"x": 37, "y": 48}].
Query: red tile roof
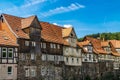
[
  {"x": 51, "y": 33},
  {"x": 5, "y": 39},
  {"x": 97, "y": 48},
  {"x": 66, "y": 31},
  {"x": 15, "y": 24},
  {"x": 26, "y": 22},
  {"x": 115, "y": 43}
]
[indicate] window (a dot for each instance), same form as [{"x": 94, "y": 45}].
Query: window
[
  {"x": 33, "y": 73},
  {"x": 58, "y": 46},
  {"x": 33, "y": 44},
  {"x": 51, "y": 45},
  {"x": 44, "y": 45},
  {"x": 89, "y": 48},
  {"x": 26, "y": 43},
  {"x": 16, "y": 49},
  {"x": 41, "y": 45},
  {"x": 43, "y": 57},
  {"x": 27, "y": 72},
  {"x": 22, "y": 56},
  {"x": 9, "y": 70},
  {"x": 10, "y": 52},
  {"x": 4, "y": 52},
  {"x": 72, "y": 60},
  {"x": 77, "y": 60},
  {"x": 32, "y": 56},
  {"x": 66, "y": 59},
  {"x": 54, "y": 45},
  {"x": 89, "y": 57}
]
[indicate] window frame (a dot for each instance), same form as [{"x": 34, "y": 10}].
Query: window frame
[
  {"x": 27, "y": 43},
  {"x": 11, "y": 52},
  {"x": 11, "y": 70},
  {"x": 4, "y": 51}
]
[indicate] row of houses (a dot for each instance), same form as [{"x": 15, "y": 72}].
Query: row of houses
[{"x": 35, "y": 50}]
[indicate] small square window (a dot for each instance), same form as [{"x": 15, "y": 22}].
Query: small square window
[
  {"x": 26, "y": 43},
  {"x": 9, "y": 70}
]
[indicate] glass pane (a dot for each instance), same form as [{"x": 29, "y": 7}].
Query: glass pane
[
  {"x": 10, "y": 55},
  {"x": 3, "y": 54}
]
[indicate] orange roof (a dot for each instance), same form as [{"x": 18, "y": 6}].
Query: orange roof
[
  {"x": 15, "y": 24},
  {"x": 97, "y": 47},
  {"x": 66, "y": 31},
  {"x": 81, "y": 44},
  {"x": 51, "y": 33},
  {"x": 104, "y": 43},
  {"x": 26, "y": 22},
  {"x": 116, "y": 54},
  {"x": 5, "y": 39},
  {"x": 115, "y": 43}
]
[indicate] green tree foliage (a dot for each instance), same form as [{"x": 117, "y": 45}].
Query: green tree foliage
[{"x": 105, "y": 36}]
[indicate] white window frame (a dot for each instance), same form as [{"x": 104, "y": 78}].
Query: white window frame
[
  {"x": 10, "y": 73},
  {"x": 51, "y": 45},
  {"x": 4, "y": 51},
  {"x": 58, "y": 46},
  {"x": 10, "y": 52},
  {"x": 33, "y": 72},
  {"x": 33, "y": 43},
  {"x": 32, "y": 56},
  {"x": 26, "y": 43},
  {"x": 44, "y": 45},
  {"x": 27, "y": 72},
  {"x": 54, "y": 45}
]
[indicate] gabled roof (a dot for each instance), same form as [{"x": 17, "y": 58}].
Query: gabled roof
[
  {"x": 83, "y": 43},
  {"x": 66, "y": 31},
  {"x": 104, "y": 43},
  {"x": 26, "y": 22},
  {"x": 97, "y": 48},
  {"x": 51, "y": 33},
  {"x": 14, "y": 23},
  {"x": 115, "y": 43},
  {"x": 5, "y": 39}
]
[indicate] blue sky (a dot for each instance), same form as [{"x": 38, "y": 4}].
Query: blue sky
[{"x": 86, "y": 16}]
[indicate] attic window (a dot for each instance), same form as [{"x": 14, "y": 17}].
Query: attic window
[
  {"x": 1, "y": 18},
  {"x": 5, "y": 38},
  {"x": 71, "y": 34}
]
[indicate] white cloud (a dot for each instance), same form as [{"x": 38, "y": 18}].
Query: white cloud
[
  {"x": 55, "y": 23},
  {"x": 67, "y": 25},
  {"x": 32, "y": 2},
  {"x": 72, "y": 7}
]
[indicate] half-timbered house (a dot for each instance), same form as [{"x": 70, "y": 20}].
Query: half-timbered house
[
  {"x": 52, "y": 52},
  {"x": 25, "y": 32},
  {"x": 8, "y": 54},
  {"x": 72, "y": 54}
]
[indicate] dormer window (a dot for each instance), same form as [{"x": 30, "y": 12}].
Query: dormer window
[
  {"x": 71, "y": 35},
  {"x": 89, "y": 48}
]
